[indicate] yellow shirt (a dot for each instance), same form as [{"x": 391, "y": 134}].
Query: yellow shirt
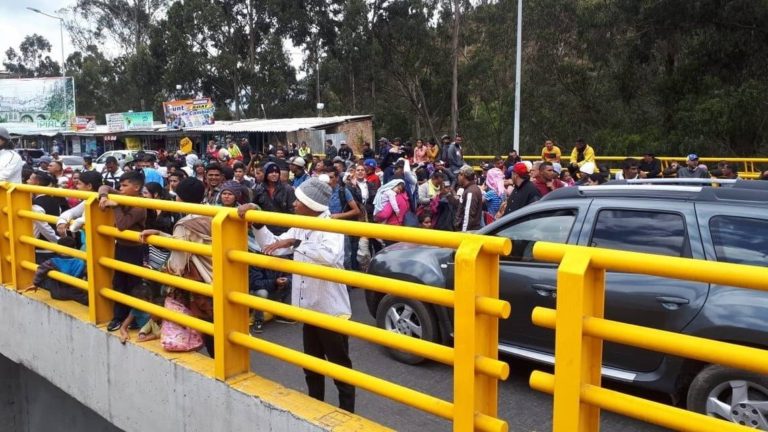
[
  {"x": 551, "y": 155},
  {"x": 589, "y": 155}
]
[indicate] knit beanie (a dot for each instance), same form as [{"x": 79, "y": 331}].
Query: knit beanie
[
  {"x": 234, "y": 187},
  {"x": 314, "y": 194},
  {"x": 190, "y": 190}
]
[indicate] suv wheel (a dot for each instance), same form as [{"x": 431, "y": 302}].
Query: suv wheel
[
  {"x": 731, "y": 394},
  {"x": 408, "y": 317}
]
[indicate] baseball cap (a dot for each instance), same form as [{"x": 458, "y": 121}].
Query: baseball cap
[
  {"x": 693, "y": 157},
  {"x": 557, "y": 167},
  {"x": 4, "y": 134},
  {"x": 486, "y": 166},
  {"x": 370, "y": 163},
  {"x": 520, "y": 169},
  {"x": 298, "y": 161}
]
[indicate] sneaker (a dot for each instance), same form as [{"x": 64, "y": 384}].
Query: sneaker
[
  {"x": 284, "y": 320},
  {"x": 257, "y": 327},
  {"x": 114, "y": 325}
]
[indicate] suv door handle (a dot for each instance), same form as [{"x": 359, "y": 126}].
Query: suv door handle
[
  {"x": 672, "y": 303},
  {"x": 545, "y": 290}
]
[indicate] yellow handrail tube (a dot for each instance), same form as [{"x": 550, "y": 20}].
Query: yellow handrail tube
[{"x": 717, "y": 352}]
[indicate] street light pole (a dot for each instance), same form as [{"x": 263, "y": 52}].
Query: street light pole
[
  {"x": 518, "y": 73},
  {"x": 61, "y": 33}
]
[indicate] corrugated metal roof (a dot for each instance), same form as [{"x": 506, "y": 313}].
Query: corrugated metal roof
[{"x": 275, "y": 125}]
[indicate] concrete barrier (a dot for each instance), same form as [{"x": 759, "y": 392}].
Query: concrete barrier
[{"x": 140, "y": 387}]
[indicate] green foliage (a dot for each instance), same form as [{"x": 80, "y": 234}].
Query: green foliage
[{"x": 628, "y": 76}]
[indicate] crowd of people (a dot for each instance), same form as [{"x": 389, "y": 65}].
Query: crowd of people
[{"x": 425, "y": 184}]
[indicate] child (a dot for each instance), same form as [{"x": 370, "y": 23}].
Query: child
[
  {"x": 390, "y": 196},
  {"x": 269, "y": 284},
  {"x": 137, "y": 318},
  {"x": 126, "y": 218},
  {"x": 71, "y": 266}
]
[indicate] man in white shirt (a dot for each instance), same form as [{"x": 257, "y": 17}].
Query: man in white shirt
[
  {"x": 10, "y": 160},
  {"x": 332, "y": 298}
]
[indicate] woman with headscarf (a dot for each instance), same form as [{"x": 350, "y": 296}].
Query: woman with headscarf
[
  {"x": 231, "y": 194},
  {"x": 494, "y": 190},
  {"x": 274, "y": 195}
]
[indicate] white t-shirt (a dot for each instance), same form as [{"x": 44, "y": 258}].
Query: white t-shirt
[{"x": 10, "y": 166}]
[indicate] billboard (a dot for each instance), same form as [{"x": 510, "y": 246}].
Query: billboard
[
  {"x": 129, "y": 121},
  {"x": 188, "y": 113},
  {"x": 82, "y": 123},
  {"x": 37, "y": 104}
]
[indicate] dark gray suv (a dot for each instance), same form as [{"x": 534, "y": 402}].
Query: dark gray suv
[{"x": 717, "y": 224}]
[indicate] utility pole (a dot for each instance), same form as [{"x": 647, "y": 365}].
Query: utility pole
[
  {"x": 518, "y": 74},
  {"x": 455, "y": 87}
]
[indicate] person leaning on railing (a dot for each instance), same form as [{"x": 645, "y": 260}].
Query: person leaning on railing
[
  {"x": 332, "y": 298},
  {"x": 126, "y": 218},
  {"x": 197, "y": 229}
]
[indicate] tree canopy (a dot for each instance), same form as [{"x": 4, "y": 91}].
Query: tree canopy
[{"x": 626, "y": 75}]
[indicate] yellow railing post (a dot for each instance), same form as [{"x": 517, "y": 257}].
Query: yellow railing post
[
  {"x": 6, "y": 272},
  {"x": 227, "y": 235},
  {"x": 578, "y": 358},
  {"x": 98, "y": 246},
  {"x": 476, "y": 274},
  {"x": 19, "y": 227}
]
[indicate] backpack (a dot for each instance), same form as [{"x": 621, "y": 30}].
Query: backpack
[{"x": 357, "y": 197}]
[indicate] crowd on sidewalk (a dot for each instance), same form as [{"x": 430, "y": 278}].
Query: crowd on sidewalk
[{"x": 425, "y": 184}]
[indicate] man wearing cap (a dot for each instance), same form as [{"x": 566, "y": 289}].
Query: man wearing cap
[
  {"x": 297, "y": 169},
  {"x": 524, "y": 192},
  {"x": 692, "y": 169},
  {"x": 547, "y": 179},
  {"x": 370, "y": 173},
  {"x": 650, "y": 167},
  {"x": 11, "y": 163},
  {"x": 319, "y": 248},
  {"x": 470, "y": 213}
]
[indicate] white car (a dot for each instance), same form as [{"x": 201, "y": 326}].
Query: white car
[{"x": 122, "y": 156}]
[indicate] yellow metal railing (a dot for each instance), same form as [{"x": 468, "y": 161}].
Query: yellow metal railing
[
  {"x": 580, "y": 330},
  {"x": 477, "y": 308},
  {"x": 749, "y": 168}
]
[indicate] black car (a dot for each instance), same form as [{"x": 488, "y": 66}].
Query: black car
[{"x": 702, "y": 222}]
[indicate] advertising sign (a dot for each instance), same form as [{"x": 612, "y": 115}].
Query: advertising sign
[
  {"x": 37, "y": 104},
  {"x": 129, "y": 121},
  {"x": 187, "y": 113},
  {"x": 82, "y": 123}
]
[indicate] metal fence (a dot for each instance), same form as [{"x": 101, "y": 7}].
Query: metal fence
[
  {"x": 749, "y": 168},
  {"x": 580, "y": 330},
  {"x": 474, "y": 357}
]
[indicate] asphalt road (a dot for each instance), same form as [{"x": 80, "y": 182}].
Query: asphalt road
[{"x": 525, "y": 409}]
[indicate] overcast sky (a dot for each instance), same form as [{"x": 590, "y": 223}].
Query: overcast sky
[{"x": 16, "y": 21}]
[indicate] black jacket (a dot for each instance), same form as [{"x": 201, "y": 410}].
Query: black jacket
[
  {"x": 653, "y": 168},
  {"x": 281, "y": 201},
  {"x": 521, "y": 196}
]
